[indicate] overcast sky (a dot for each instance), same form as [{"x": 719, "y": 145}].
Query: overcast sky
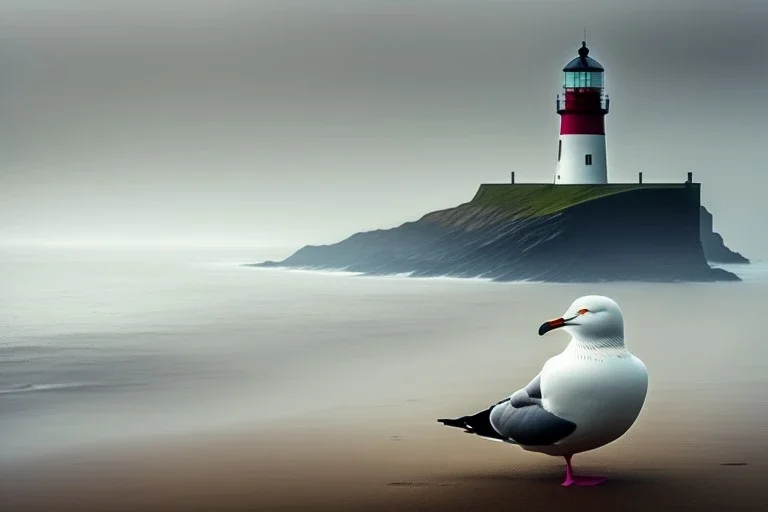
[{"x": 284, "y": 122}]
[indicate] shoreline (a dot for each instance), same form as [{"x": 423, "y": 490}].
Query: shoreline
[{"x": 268, "y": 265}]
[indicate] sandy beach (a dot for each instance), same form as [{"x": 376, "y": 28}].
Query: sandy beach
[
  {"x": 334, "y": 384},
  {"x": 679, "y": 457}
]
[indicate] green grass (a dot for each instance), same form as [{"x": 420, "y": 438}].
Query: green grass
[{"x": 534, "y": 199}]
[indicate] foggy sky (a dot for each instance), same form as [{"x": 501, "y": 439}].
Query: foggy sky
[{"x": 285, "y": 122}]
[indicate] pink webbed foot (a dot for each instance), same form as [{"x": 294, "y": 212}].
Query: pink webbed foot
[
  {"x": 583, "y": 481},
  {"x": 579, "y": 481}
]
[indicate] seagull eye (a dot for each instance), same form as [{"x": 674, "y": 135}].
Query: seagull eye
[{"x": 582, "y": 311}]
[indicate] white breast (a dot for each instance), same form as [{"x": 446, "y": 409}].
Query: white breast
[{"x": 601, "y": 393}]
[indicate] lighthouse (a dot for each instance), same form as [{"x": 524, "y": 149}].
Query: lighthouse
[{"x": 581, "y": 157}]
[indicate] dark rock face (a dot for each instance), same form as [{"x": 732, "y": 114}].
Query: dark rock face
[
  {"x": 634, "y": 236},
  {"x": 713, "y": 244}
]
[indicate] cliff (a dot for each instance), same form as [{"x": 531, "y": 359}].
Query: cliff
[
  {"x": 556, "y": 233},
  {"x": 713, "y": 244}
]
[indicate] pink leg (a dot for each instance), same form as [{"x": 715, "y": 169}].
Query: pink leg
[{"x": 580, "y": 481}]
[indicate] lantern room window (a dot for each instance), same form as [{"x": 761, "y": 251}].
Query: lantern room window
[{"x": 581, "y": 79}]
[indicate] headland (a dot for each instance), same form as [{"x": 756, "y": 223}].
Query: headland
[{"x": 544, "y": 232}]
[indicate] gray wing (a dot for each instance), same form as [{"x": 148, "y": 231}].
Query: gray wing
[{"x": 522, "y": 418}]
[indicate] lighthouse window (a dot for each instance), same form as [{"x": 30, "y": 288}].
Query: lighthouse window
[
  {"x": 588, "y": 159},
  {"x": 559, "y": 149},
  {"x": 580, "y": 79}
]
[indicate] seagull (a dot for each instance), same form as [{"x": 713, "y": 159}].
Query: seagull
[{"x": 587, "y": 396}]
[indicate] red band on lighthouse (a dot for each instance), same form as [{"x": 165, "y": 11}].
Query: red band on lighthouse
[{"x": 582, "y": 124}]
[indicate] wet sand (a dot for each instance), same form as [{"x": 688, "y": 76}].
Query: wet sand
[{"x": 708, "y": 455}]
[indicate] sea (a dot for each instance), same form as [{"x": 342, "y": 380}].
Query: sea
[{"x": 100, "y": 346}]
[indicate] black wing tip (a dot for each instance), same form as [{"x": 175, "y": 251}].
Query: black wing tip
[
  {"x": 452, "y": 423},
  {"x": 478, "y": 424}
]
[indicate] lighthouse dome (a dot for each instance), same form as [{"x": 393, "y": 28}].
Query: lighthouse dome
[{"x": 583, "y": 62}]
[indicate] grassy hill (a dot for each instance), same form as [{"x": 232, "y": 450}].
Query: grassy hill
[{"x": 535, "y": 199}]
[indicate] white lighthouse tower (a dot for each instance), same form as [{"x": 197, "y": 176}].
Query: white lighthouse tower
[{"x": 581, "y": 157}]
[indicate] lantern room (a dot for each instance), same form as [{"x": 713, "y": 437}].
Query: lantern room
[{"x": 583, "y": 84}]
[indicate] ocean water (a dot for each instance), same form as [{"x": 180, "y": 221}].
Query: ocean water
[{"x": 100, "y": 346}]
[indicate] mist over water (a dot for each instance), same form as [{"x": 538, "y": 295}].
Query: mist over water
[
  {"x": 301, "y": 121},
  {"x": 99, "y": 346},
  {"x": 105, "y": 344}
]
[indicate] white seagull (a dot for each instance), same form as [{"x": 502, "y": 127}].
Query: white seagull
[{"x": 583, "y": 398}]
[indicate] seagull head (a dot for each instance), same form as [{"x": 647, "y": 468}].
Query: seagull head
[{"x": 590, "y": 317}]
